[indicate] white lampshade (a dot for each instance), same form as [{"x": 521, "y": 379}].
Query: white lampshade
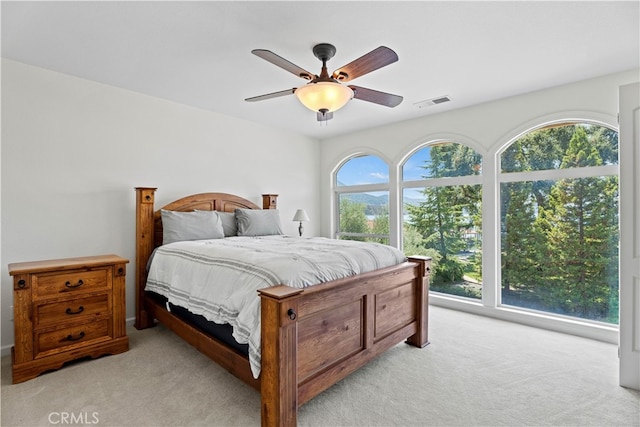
[
  {"x": 328, "y": 96},
  {"x": 300, "y": 215}
]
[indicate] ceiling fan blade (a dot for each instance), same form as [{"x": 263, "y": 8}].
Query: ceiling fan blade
[
  {"x": 376, "y": 96},
  {"x": 267, "y": 55},
  {"x": 324, "y": 117},
  {"x": 367, "y": 63},
  {"x": 271, "y": 95}
]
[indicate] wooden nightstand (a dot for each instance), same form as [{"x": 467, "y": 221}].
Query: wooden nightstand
[
  {"x": 65, "y": 309},
  {"x": 269, "y": 201}
]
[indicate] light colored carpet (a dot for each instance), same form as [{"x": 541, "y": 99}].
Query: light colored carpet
[{"x": 477, "y": 371}]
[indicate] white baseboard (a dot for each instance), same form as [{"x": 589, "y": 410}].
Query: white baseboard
[{"x": 5, "y": 350}]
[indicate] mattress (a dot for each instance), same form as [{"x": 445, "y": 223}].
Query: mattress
[{"x": 222, "y": 332}]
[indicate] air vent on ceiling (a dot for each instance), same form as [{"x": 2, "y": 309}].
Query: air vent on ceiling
[{"x": 432, "y": 101}]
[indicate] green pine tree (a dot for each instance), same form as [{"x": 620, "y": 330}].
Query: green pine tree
[
  {"x": 582, "y": 235},
  {"x": 521, "y": 244},
  {"x": 447, "y": 211}
]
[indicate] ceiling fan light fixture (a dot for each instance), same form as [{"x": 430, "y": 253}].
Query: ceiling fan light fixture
[{"x": 328, "y": 96}]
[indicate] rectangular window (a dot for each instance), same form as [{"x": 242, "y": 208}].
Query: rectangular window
[
  {"x": 364, "y": 216},
  {"x": 444, "y": 223},
  {"x": 560, "y": 246}
]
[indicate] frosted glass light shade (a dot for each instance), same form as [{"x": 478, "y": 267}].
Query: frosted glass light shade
[{"x": 328, "y": 96}]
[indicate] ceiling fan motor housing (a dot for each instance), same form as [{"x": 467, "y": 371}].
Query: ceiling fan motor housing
[{"x": 324, "y": 51}]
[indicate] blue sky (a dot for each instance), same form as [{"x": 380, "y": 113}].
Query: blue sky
[
  {"x": 373, "y": 170},
  {"x": 412, "y": 169},
  {"x": 363, "y": 170}
]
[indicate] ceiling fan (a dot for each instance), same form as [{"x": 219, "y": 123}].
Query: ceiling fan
[{"x": 325, "y": 94}]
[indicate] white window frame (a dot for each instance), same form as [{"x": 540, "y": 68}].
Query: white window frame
[
  {"x": 548, "y": 175},
  {"x": 363, "y": 188},
  {"x": 491, "y": 244},
  {"x": 440, "y": 182},
  {"x": 491, "y": 179}
]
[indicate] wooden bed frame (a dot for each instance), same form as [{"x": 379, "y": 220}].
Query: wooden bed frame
[{"x": 311, "y": 338}]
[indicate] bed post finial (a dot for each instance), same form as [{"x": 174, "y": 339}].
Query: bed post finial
[
  {"x": 269, "y": 201},
  {"x": 144, "y": 247}
]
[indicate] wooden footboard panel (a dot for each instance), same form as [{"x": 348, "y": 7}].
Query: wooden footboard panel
[{"x": 323, "y": 334}]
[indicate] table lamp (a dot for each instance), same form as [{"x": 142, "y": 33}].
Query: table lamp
[{"x": 300, "y": 215}]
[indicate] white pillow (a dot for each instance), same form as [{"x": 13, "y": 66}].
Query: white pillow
[
  {"x": 198, "y": 225},
  {"x": 256, "y": 222},
  {"x": 228, "y": 223}
]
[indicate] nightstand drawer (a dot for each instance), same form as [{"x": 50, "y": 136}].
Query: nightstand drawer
[
  {"x": 70, "y": 310},
  {"x": 79, "y": 335},
  {"x": 55, "y": 284}
]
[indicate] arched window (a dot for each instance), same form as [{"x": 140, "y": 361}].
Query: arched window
[
  {"x": 442, "y": 215},
  {"x": 559, "y": 221},
  {"x": 362, "y": 194}
]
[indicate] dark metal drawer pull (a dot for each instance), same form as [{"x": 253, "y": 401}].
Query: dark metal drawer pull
[
  {"x": 80, "y": 310},
  {"x": 77, "y": 285},
  {"x": 72, "y": 338}
]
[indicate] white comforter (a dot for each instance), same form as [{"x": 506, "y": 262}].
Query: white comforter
[{"x": 218, "y": 279}]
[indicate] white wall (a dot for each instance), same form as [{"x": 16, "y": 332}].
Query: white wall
[{"x": 73, "y": 151}]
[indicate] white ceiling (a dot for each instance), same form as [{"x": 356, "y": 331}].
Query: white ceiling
[{"x": 199, "y": 53}]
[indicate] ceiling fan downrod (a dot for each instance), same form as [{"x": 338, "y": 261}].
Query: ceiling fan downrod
[{"x": 324, "y": 52}]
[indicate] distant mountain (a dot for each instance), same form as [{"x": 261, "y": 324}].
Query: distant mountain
[
  {"x": 367, "y": 199},
  {"x": 410, "y": 201},
  {"x": 371, "y": 200}
]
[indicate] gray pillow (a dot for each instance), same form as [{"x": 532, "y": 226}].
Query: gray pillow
[
  {"x": 198, "y": 225},
  {"x": 256, "y": 222},
  {"x": 228, "y": 223}
]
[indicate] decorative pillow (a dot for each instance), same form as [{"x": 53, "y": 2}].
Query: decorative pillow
[
  {"x": 256, "y": 222},
  {"x": 198, "y": 225},
  {"x": 228, "y": 223}
]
